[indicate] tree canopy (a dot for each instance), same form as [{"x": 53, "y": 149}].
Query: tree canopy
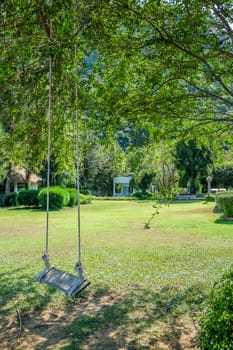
[{"x": 162, "y": 66}]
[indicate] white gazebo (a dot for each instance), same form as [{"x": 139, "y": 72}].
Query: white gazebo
[{"x": 121, "y": 186}]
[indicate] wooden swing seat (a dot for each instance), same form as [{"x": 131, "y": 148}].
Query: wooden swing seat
[{"x": 66, "y": 282}]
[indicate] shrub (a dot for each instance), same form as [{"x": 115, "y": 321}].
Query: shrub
[
  {"x": 84, "y": 199},
  {"x": 73, "y": 197},
  {"x": 110, "y": 198},
  {"x": 28, "y": 198},
  {"x": 217, "y": 322},
  {"x": 225, "y": 204},
  {"x": 2, "y": 200},
  {"x": 10, "y": 199},
  {"x": 58, "y": 198},
  {"x": 86, "y": 191},
  {"x": 143, "y": 195},
  {"x": 209, "y": 198}
]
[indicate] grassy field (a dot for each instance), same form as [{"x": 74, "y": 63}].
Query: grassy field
[{"x": 148, "y": 286}]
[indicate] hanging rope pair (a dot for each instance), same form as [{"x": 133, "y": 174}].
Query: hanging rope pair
[{"x": 64, "y": 281}]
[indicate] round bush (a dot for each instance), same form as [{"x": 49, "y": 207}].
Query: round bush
[
  {"x": 73, "y": 197},
  {"x": 58, "y": 198},
  {"x": 217, "y": 323},
  {"x": 28, "y": 198},
  {"x": 225, "y": 204}
]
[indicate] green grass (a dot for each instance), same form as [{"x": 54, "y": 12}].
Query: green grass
[{"x": 164, "y": 270}]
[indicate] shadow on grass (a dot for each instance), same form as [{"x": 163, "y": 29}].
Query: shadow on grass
[
  {"x": 32, "y": 209},
  {"x": 106, "y": 319},
  {"x": 19, "y": 291},
  {"x": 223, "y": 221},
  {"x": 188, "y": 201},
  {"x": 141, "y": 320}
]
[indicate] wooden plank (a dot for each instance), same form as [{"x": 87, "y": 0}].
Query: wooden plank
[{"x": 64, "y": 281}]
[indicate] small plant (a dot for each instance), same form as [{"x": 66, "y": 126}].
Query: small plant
[
  {"x": 217, "y": 323},
  {"x": 156, "y": 212}
]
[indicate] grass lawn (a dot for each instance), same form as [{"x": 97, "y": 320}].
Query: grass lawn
[{"x": 148, "y": 286}]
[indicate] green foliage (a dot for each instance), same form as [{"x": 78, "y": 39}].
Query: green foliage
[
  {"x": 73, "y": 197},
  {"x": 2, "y": 200},
  {"x": 217, "y": 321},
  {"x": 28, "y": 197},
  {"x": 210, "y": 198},
  {"x": 225, "y": 203},
  {"x": 146, "y": 181},
  {"x": 193, "y": 162},
  {"x": 85, "y": 199},
  {"x": 182, "y": 277},
  {"x": 120, "y": 87},
  {"x": 143, "y": 195},
  {"x": 10, "y": 199},
  {"x": 85, "y": 191},
  {"x": 61, "y": 197},
  {"x": 58, "y": 198},
  {"x": 110, "y": 198},
  {"x": 223, "y": 176},
  {"x": 177, "y": 78}
]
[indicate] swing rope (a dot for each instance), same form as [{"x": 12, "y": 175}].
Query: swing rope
[
  {"x": 78, "y": 266},
  {"x": 64, "y": 281},
  {"x": 45, "y": 256}
]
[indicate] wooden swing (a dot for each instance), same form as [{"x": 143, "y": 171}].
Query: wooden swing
[{"x": 68, "y": 283}]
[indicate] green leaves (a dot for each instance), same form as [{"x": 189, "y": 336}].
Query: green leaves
[
  {"x": 165, "y": 67},
  {"x": 217, "y": 321}
]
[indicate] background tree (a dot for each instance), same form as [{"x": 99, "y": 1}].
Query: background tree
[
  {"x": 193, "y": 163},
  {"x": 223, "y": 177}
]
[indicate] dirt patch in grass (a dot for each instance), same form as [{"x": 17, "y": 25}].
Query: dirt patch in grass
[
  {"x": 195, "y": 211},
  {"x": 103, "y": 320}
]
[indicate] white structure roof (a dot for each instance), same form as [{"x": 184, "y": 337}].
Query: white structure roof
[{"x": 122, "y": 180}]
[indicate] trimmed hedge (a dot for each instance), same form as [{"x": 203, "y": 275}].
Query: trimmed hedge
[
  {"x": 85, "y": 199},
  {"x": 209, "y": 198},
  {"x": 10, "y": 199},
  {"x": 61, "y": 197},
  {"x": 108, "y": 198},
  {"x": 2, "y": 200},
  {"x": 85, "y": 191},
  {"x": 217, "y": 323},
  {"x": 58, "y": 198},
  {"x": 28, "y": 198},
  {"x": 225, "y": 203},
  {"x": 73, "y": 197},
  {"x": 144, "y": 195}
]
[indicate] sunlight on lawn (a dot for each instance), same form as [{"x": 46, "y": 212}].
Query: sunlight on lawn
[
  {"x": 158, "y": 275},
  {"x": 184, "y": 244}
]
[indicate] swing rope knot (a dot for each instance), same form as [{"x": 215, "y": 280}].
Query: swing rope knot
[
  {"x": 79, "y": 270},
  {"x": 45, "y": 257}
]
